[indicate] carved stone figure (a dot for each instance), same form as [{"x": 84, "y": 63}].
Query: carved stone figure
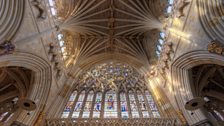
[
  {"x": 38, "y": 5},
  {"x": 6, "y": 48}
]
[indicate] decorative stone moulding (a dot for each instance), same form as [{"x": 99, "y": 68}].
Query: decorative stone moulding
[
  {"x": 211, "y": 17},
  {"x": 216, "y": 47},
  {"x": 55, "y": 59},
  {"x": 165, "y": 58},
  {"x": 112, "y": 122},
  {"x": 11, "y": 15}
]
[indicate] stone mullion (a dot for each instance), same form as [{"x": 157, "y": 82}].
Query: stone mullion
[
  {"x": 118, "y": 104},
  {"x": 92, "y": 107},
  {"x": 138, "y": 105},
  {"x": 83, "y": 105},
  {"x": 102, "y": 105},
  {"x": 128, "y": 104},
  {"x": 73, "y": 106},
  {"x": 147, "y": 105}
]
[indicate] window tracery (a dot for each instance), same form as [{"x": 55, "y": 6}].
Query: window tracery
[{"x": 111, "y": 90}]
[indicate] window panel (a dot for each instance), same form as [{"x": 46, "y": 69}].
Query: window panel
[
  {"x": 88, "y": 105},
  {"x": 69, "y": 105},
  {"x": 133, "y": 105},
  {"x": 124, "y": 107},
  {"x": 97, "y": 106},
  {"x": 78, "y": 105},
  {"x": 110, "y": 108},
  {"x": 142, "y": 104},
  {"x": 152, "y": 104}
]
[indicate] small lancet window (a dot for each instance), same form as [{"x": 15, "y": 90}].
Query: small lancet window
[
  {"x": 97, "y": 105},
  {"x": 78, "y": 105},
  {"x": 124, "y": 107},
  {"x": 142, "y": 104},
  {"x": 110, "y": 106},
  {"x": 133, "y": 105},
  {"x": 88, "y": 105}
]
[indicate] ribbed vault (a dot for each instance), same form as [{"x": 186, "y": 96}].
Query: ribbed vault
[{"x": 105, "y": 27}]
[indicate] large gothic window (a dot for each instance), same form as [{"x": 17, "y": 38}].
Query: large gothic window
[{"x": 111, "y": 90}]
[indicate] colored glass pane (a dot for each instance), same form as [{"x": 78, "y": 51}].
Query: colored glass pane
[
  {"x": 110, "y": 109},
  {"x": 97, "y": 106},
  {"x": 69, "y": 105},
  {"x": 142, "y": 104},
  {"x": 133, "y": 105},
  {"x": 78, "y": 105},
  {"x": 88, "y": 105},
  {"x": 124, "y": 107}
]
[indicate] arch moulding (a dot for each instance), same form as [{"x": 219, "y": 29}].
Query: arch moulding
[
  {"x": 40, "y": 87},
  {"x": 180, "y": 79}
]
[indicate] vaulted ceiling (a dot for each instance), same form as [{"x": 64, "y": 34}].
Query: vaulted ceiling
[{"x": 114, "y": 29}]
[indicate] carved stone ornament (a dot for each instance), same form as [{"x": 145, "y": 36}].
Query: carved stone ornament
[
  {"x": 183, "y": 4},
  {"x": 6, "y": 48},
  {"x": 216, "y": 47},
  {"x": 39, "y": 6}
]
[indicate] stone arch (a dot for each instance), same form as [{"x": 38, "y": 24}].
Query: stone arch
[
  {"x": 104, "y": 57},
  {"x": 12, "y": 16},
  {"x": 180, "y": 80},
  {"x": 41, "y": 85}
]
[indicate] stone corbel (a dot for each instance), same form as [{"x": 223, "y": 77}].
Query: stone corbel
[
  {"x": 182, "y": 5},
  {"x": 39, "y": 6},
  {"x": 216, "y": 47},
  {"x": 6, "y": 48},
  {"x": 55, "y": 59}
]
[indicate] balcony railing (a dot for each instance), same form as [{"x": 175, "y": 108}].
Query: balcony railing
[{"x": 111, "y": 122}]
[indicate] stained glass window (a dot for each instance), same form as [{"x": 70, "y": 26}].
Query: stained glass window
[
  {"x": 97, "y": 106},
  {"x": 103, "y": 83},
  {"x": 68, "y": 107},
  {"x": 134, "y": 108},
  {"x": 152, "y": 104},
  {"x": 78, "y": 105},
  {"x": 110, "y": 106},
  {"x": 88, "y": 105},
  {"x": 124, "y": 107},
  {"x": 142, "y": 104}
]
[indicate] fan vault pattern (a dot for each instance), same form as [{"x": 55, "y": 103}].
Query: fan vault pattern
[{"x": 112, "y": 26}]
